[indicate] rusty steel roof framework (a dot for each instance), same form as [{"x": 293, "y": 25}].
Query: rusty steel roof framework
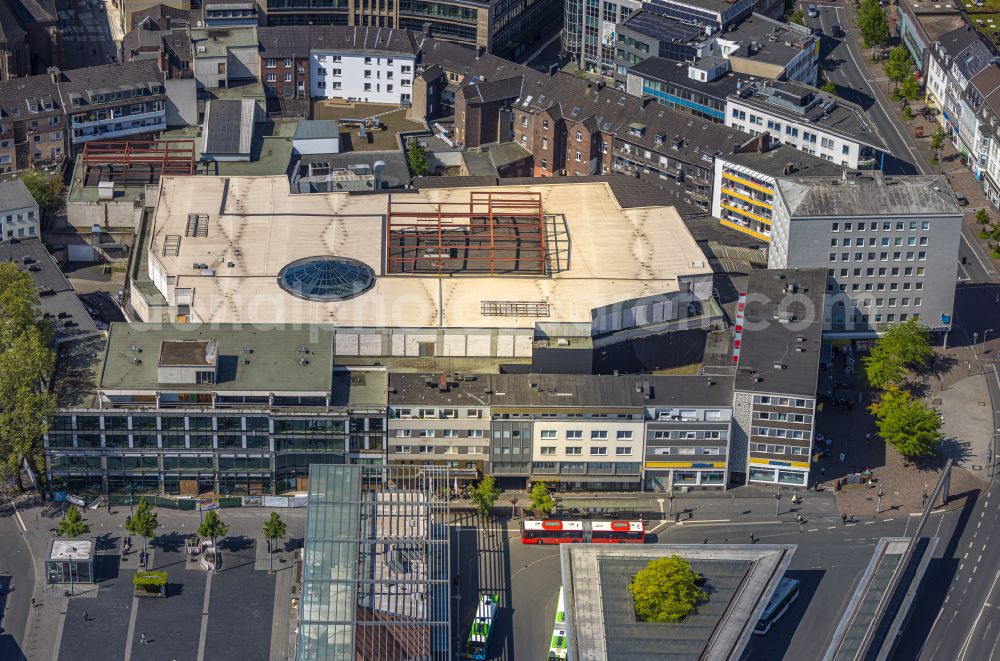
[
  {"x": 496, "y": 232},
  {"x": 137, "y": 162}
]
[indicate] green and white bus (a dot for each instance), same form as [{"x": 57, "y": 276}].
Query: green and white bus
[
  {"x": 786, "y": 592},
  {"x": 479, "y": 636},
  {"x": 557, "y": 648}
]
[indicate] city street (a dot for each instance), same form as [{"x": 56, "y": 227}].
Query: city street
[
  {"x": 844, "y": 65},
  {"x": 17, "y": 580}
]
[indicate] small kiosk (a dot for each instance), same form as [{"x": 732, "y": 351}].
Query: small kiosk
[{"x": 70, "y": 561}]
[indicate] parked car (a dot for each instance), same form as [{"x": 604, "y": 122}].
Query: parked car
[
  {"x": 961, "y": 199},
  {"x": 811, "y": 11},
  {"x": 838, "y": 32}
]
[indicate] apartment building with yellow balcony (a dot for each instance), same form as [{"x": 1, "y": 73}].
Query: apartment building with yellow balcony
[{"x": 743, "y": 187}]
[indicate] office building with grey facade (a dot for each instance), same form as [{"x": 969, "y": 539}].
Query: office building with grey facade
[{"x": 890, "y": 246}]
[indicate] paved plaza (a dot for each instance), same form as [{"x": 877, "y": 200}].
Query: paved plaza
[{"x": 240, "y": 613}]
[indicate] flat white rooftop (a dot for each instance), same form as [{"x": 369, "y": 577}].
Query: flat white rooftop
[{"x": 245, "y": 230}]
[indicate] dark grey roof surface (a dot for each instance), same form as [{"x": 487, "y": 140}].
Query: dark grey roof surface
[
  {"x": 778, "y": 43},
  {"x": 223, "y": 126},
  {"x": 769, "y": 349},
  {"x": 417, "y": 389},
  {"x": 308, "y": 129},
  {"x": 658, "y": 68},
  {"x": 774, "y": 161},
  {"x": 15, "y": 195},
  {"x": 702, "y": 139},
  {"x": 363, "y": 39},
  {"x": 689, "y": 390},
  {"x": 493, "y": 90},
  {"x": 662, "y": 28},
  {"x": 954, "y": 42},
  {"x": 868, "y": 194},
  {"x": 284, "y": 41}
]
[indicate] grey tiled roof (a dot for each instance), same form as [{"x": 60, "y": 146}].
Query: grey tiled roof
[
  {"x": 284, "y": 41},
  {"x": 362, "y": 39},
  {"x": 702, "y": 140},
  {"x": 493, "y": 90},
  {"x": 15, "y": 93}
]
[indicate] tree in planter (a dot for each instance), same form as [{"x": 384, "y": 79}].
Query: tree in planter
[
  {"x": 907, "y": 424},
  {"x": 937, "y": 143},
  {"x": 72, "y": 524},
  {"x": 983, "y": 217},
  {"x": 541, "y": 499},
  {"x": 910, "y": 89},
  {"x": 903, "y": 347},
  {"x": 666, "y": 590},
  {"x": 484, "y": 495},
  {"x": 151, "y": 582},
  {"x": 829, "y": 87},
  {"x": 213, "y": 527},
  {"x": 274, "y": 529},
  {"x": 143, "y": 522},
  {"x": 907, "y": 113},
  {"x": 898, "y": 66},
  {"x": 797, "y": 16},
  {"x": 416, "y": 157}
]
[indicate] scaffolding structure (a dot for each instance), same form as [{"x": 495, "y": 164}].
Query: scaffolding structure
[
  {"x": 495, "y": 232},
  {"x": 137, "y": 162}
]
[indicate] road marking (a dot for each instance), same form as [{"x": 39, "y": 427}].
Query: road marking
[
  {"x": 813, "y": 529},
  {"x": 968, "y": 639},
  {"x": 868, "y": 523},
  {"x": 20, "y": 521},
  {"x": 974, "y": 253},
  {"x": 830, "y": 527},
  {"x": 888, "y": 520},
  {"x": 689, "y": 521},
  {"x": 203, "y": 635},
  {"x": 131, "y": 628}
]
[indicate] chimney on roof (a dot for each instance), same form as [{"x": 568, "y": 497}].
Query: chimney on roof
[{"x": 54, "y": 74}]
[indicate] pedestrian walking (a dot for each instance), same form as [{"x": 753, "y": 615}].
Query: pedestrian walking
[
  {"x": 706, "y": 541},
  {"x": 142, "y": 639},
  {"x": 752, "y": 540},
  {"x": 822, "y": 471},
  {"x": 85, "y": 618},
  {"x": 32, "y": 602},
  {"x": 843, "y": 456},
  {"x": 843, "y": 517},
  {"x": 868, "y": 436}
]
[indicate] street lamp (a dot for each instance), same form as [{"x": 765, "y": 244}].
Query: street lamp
[
  {"x": 777, "y": 501},
  {"x": 986, "y": 333},
  {"x": 513, "y": 504},
  {"x": 878, "y": 503}
]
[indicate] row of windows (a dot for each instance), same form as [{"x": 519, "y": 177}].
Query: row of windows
[
  {"x": 687, "y": 451},
  {"x": 907, "y": 271},
  {"x": 431, "y": 449},
  {"x": 911, "y": 241},
  {"x": 663, "y": 435},
  {"x": 780, "y": 433},
  {"x": 779, "y": 449},
  {"x": 595, "y": 434},
  {"x": 883, "y": 256},
  {"x": 782, "y": 417},
  {"x": 782, "y": 401},
  {"x": 445, "y": 433},
  {"x": 886, "y": 226},
  {"x": 434, "y": 413},
  {"x": 597, "y": 451}
]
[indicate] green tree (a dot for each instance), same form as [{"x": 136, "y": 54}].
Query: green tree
[
  {"x": 883, "y": 369},
  {"x": 829, "y": 87},
  {"x": 143, "y": 522},
  {"x": 907, "y": 424},
  {"x": 983, "y": 217},
  {"x": 910, "y": 89},
  {"x": 872, "y": 23},
  {"x": 937, "y": 143},
  {"x": 416, "y": 157},
  {"x": 484, "y": 495},
  {"x": 907, "y": 113},
  {"x": 797, "y": 16},
  {"x": 26, "y": 405},
  {"x": 541, "y": 499},
  {"x": 48, "y": 191},
  {"x": 72, "y": 524},
  {"x": 666, "y": 590},
  {"x": 213, "y": 527},
  {"x": 274, "y": 529},
  {"x": 910, "y": 341},
  {"x": 899, "y": 65}
]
